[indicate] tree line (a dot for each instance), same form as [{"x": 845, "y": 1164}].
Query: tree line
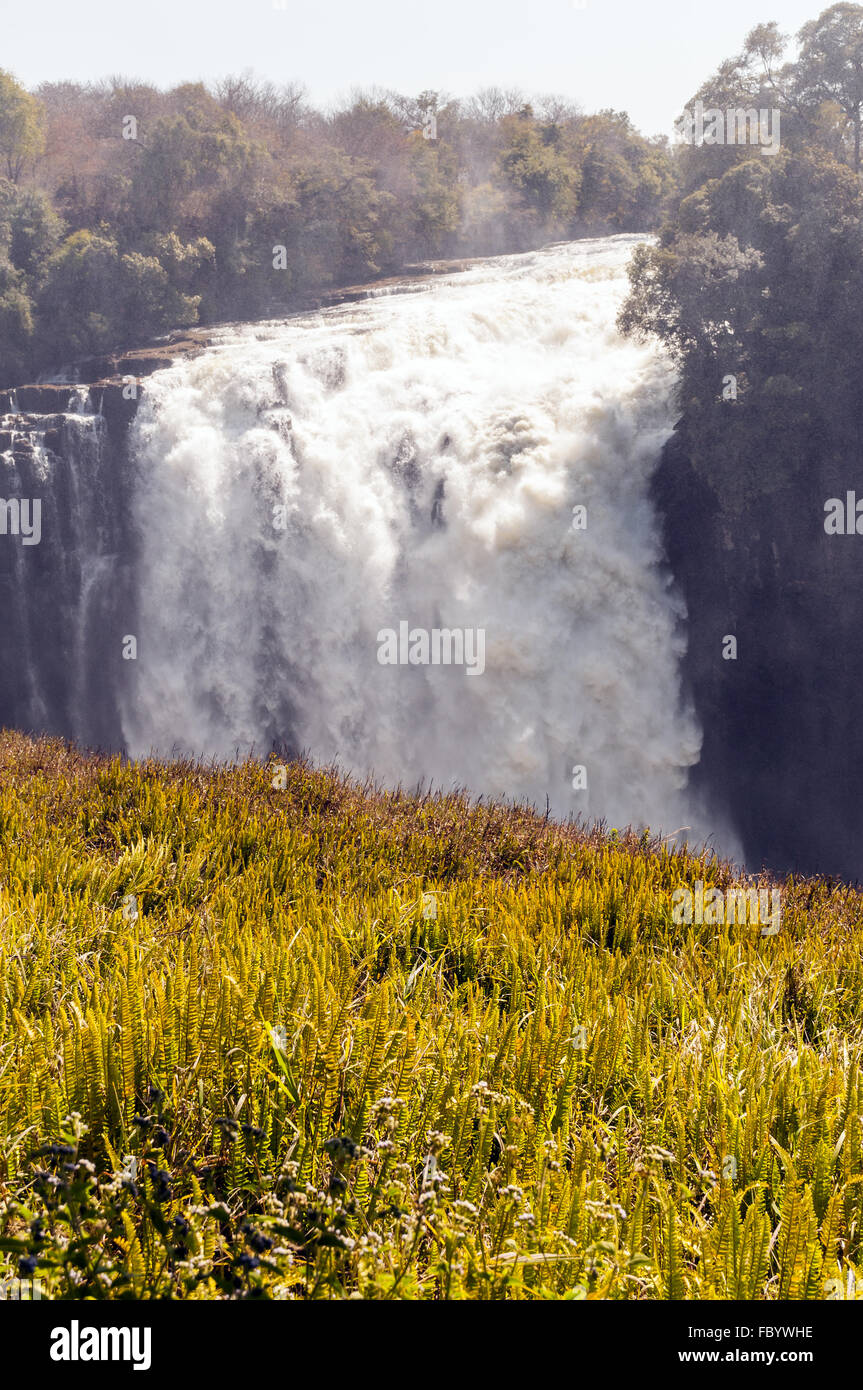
[{"x": 126, "y": 211}]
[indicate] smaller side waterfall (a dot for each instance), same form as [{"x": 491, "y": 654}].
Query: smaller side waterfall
[{"x": 63, "y": 562}]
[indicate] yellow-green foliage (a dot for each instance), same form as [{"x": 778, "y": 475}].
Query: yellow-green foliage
[{"x": 426, "y": 1124}]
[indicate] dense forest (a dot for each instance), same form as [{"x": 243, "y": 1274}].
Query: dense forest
[
  {"x": 126, "y": 211},
  {"x": 758, "y": 274},
  {"x": 756, "y": 288}
]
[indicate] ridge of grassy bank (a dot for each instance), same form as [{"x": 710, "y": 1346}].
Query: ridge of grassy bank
[{"x": 329, "y": 1041}]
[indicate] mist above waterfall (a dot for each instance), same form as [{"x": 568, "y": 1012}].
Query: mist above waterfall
[{"x": 416, "y": 459}]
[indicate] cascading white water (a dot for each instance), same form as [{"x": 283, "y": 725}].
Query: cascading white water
[{"x": 429, "y": 450}]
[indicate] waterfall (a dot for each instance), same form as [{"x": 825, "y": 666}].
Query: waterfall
[{"x": 304, "y": 486}]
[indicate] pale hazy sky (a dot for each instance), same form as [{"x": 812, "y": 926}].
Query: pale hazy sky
[{"x": 643, "y": 56}]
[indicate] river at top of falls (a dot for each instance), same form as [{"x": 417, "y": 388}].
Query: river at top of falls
[{"x": 304, "y": 486}]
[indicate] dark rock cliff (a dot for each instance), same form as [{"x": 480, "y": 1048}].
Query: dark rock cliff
[
  {"x": 782, "y": 757},
  {"x": 66, "y": 596}
]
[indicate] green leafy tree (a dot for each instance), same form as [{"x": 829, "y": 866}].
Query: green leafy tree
[
  {"x": 22, "y": 135},
  {"x": 760, "y": 279},
  {"x": 434, "y": 206},
  {"x": 341, "y": 233},
  {"x": 16, "y": 323},
  {"x": 189, "y": 159},
  {"x": 95, "y": 298},
  {"x": 830, "y": 66},
  {"x": 34, "y": 229},
  {"x": 532, "y": 165},
  {"x": 149, "y": 303}
]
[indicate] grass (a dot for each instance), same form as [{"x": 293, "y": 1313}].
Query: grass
[{"x": 242, "y": 1055}]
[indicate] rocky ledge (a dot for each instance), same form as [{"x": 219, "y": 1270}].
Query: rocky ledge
[{"x": 42, "y": 405}]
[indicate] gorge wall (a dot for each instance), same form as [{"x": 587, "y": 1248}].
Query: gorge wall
[{"x": 782, "y": 750}]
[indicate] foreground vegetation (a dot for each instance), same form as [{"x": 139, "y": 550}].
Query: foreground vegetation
[{"x": 243, "y": 1055}]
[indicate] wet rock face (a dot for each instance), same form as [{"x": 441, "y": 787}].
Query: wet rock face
[
  {"x": 67, "y": 595},
  {"x": 35, "y": 400},
  {"x": 33, "y": 411},
  {"x": 65, "y": 588},
  {"x": 782, "y": 752},
  {"x": 19, "y": 430},
  {"x": 113, "y": 380}
]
